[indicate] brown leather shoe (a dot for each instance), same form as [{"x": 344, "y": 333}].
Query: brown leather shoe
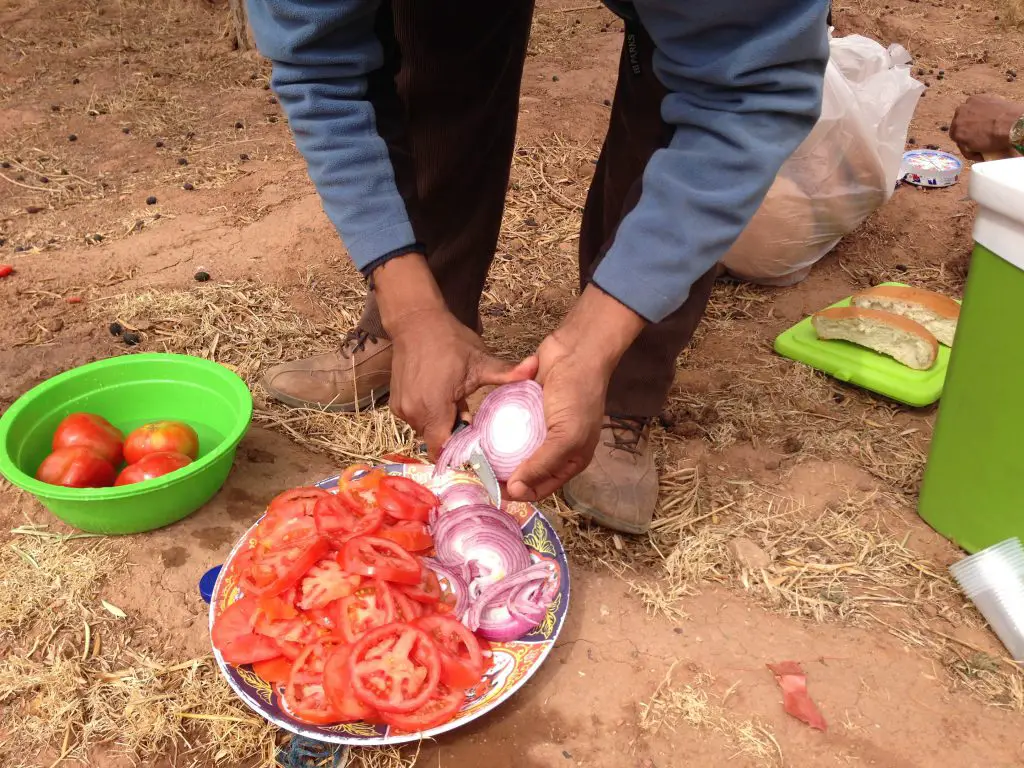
[
  {"x": 356, "y": 377},
  {"x": 619, "y": 489}
]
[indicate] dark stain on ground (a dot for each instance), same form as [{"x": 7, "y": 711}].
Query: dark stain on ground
[
  {"x": 174, "y": 557},
  {"x": 259, "y": 456},
  {"x": 241, "y": 505},
  {"x": 216, "y": 537}
]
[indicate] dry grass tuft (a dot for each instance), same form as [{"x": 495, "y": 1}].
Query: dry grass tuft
[
  {"x": 692, "y": 705},
  {"x": 1012, "y": 14}
]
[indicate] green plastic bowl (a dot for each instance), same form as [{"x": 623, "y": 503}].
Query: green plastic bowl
[{"x": 129, "y": 391}]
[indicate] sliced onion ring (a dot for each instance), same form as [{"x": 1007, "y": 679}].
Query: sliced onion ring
[
  {"x": 463, "y": 494},
  {"x": 511, "y": 608},
  {"x": 455, "y": 583}
]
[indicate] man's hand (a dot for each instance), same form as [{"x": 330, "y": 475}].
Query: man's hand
[
  {"x": 438, "y": 362},
  {"x": 981, "y": 126},
  {"x": 575, "y": 364}
]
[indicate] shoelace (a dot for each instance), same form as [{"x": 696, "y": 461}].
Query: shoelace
[
  {"x": 355, "y": 341},
  {"x": 626, "y": 433}
]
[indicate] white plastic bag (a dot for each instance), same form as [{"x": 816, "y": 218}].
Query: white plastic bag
[{"x": 846, "y": 168}]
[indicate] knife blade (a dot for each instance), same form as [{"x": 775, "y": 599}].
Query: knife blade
[{"x": 482, "y": 468}]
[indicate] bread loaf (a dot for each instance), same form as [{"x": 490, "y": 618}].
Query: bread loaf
[
  {"x": 898, "y": 337},
  {"x": 934, "y": 311}
]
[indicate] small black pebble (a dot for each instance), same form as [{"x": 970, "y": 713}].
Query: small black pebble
[
  {"x": 126, "y": 130},
  {"x": 182, "y": 161},
  {"x": 272, "y": 119},
  {"x": 201, "y": 276},
  {"x": 932, "y": 146},
  {"x": 5, "y": 164},
  {"x": 911, "y": 141},
  {"x": 607, "y": 102},
  {"x": 554, "y": 78},
  {"x": 678, "y": 630},
  {"x": 567, "y": 754},
  {"x": 97, "y": 237},
  {"x": 20, "y": 248},
  {"x": 239, "y": 124},
  {"x": 159, "y": 144},
  {"x": 931, "y": 71},
  {"x": 63, "y": 171},
  {"x": 150, "y": 200},
  {"x": 190, "y": 135},
  {"x": 131, "y": 338},
  {"x": 901, "y": 267},
  {"x": 116, "y": 329},
  {"x": 72, "y": 137},
  {"x": 942, "y": 73},
  {"x": 944, "y": 128},
  {"x": 187, "y": 186},
  {"x": 1010, "y": 79},
  {"x": 243, "y": 157},
  {"x": 75, "y": 81},
  {"x": 44, "y": 179},
  {"x": 55, "y": 107},
  {"x": 920, "y": 71}
]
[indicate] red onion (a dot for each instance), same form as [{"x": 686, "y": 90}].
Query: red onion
[
  {"x": 452, "y": 581},
  {"x": 509, "y": 609},
  {"x": 509, "y": 427},
  {"x": 463, "y": 495},
  {"x": 478, "y": 514}
]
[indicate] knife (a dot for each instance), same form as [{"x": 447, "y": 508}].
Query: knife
[{"x": 482, "y": 467}]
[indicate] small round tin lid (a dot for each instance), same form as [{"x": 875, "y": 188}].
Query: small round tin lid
[{"x": 930, "y": 168}]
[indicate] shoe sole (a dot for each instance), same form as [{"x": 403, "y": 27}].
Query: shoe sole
[
  {"x": 602, "y": 519},
  {"x": 363, "y": 404}
]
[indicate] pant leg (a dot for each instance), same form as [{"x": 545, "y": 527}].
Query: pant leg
[
  {"x": 455, "y": 69},
  {"x": 639, "y": 386}
]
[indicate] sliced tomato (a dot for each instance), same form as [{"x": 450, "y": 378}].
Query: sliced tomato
[
  {"x": 296, "y": 502},
  {"x": 405, "y": 499},
  {"x": 283, "y": 532},
  {"x": 341, "y": 519},
  {"x": 380, "y": 558},
  {"x": 338, "y": 687},
  {"x": 410, "y": 535},
  {"x": 427, "y": 589},
  {"x": 360, "y": 491},
  {"x": 304, "y": 696},
  {"x": 234, "y": 637},
  {"x": 395, "y": 668},
  {"x": 274, "y": 571},
  {"x": 372, "y": 606},
  {"x": 289, "y": 649},
  {"x": 438, "y": 710},
  {"x": 276, "y": 671},
  {"x": 325, "y": 582},
  {"x": 279, "y": 607},
  {"x": 302, "y": 629},
  {"x": 405, "y": 609},
  {"x": 462, "y": 660}
]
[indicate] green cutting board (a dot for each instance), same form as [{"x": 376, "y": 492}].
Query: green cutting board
[{"x": 864, "y": 367}]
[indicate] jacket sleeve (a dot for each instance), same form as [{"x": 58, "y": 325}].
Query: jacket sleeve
[
  {"x": 745, "y": 81},
  {"x": 322, "y": 54}
]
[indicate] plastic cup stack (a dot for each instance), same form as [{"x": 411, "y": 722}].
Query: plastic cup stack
[{"x": 994, "y": 581}]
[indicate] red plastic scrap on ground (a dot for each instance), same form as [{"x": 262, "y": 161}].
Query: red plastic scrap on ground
[
  {"x": 795, "y": 699},
  {"x": 6, "y": 269}
]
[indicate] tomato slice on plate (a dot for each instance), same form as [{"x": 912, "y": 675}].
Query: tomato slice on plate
[
  {"x": 325, "y": 582},
  {"x": 372, "y": 606},
  {"x": 304, "y": 696},
  {"x": 438, "y": 710},
  {"x": 289, "y": 649},
  {"x": 462, "y": 660},
  {"x": 395, "y": 668},
  {"x": 340, "y": 519},
  {"x": 274, "y": 571},
  {"x": 276, "y": 671},
  {"x": 427, "y": 589},
  {"x": 405, "y": 609},
  {"x": 234, "y": 637},
  {"x": 405, "y": 499},
  {"x": 380, "y": 558},
  {"x": 296, "y": 502},
  {"x": 410, "y": 535},
  {"x": 338, "y": 687},
  {"x": 302, "y": 629}
]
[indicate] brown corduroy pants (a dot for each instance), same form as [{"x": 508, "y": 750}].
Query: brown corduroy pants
[{"x": 447, "y": 101}]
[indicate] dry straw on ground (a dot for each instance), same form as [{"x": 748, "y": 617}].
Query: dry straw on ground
[{"x": 674, "y": 705}]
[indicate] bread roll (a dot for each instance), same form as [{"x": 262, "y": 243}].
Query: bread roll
[
  {"x": 899, "y": 337},
  {"x": 934, "y": 311}
]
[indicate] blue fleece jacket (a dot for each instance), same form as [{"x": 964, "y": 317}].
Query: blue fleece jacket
[{"x": 744, "y": 80}]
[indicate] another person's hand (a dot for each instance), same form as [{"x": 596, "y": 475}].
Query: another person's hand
[
  {"x": 438, "y": 363},
  {"x": 981, "y": 126},
  {"x": 575, "y": 364}
]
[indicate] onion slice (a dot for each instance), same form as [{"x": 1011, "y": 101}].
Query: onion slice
[
  {"x": 464, "y": 494},
  {"x": 510, "y": 608},
  {"x": 453, "y": 582},
  {"x": 456, "y": 451}
]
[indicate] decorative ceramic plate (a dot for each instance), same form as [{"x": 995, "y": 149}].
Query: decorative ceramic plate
[{"x": 514, "y": 663}]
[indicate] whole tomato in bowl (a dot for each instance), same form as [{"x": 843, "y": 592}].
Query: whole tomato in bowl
[
  {"x": 161, "y": 437},
  {"x": 76, "y": 467},
  {"x": 87, "y": 430},
  {"x": 152, "y": 465}
]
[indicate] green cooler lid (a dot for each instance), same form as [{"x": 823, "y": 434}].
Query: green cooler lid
[{"x": 998, "y": 188}]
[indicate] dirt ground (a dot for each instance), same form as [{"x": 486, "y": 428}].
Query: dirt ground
[{"x": 662, "y": 661}]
